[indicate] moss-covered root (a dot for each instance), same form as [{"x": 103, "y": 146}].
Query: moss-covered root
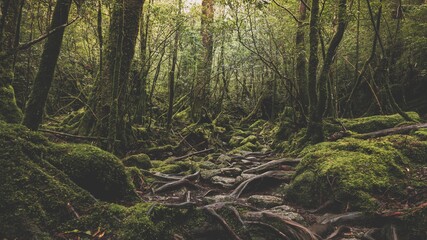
[
  {"x": 9, "y": 111},
  {"x": 34, "y": 194}
]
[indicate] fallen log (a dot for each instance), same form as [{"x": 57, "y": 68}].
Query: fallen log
[{"x": 379, "y": 133}]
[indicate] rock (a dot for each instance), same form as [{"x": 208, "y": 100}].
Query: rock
[
  {"x": 208, "y": 174},
  {"x": 223, "y": 158},
  {"x": 287, "y": 212},
  {"x": 231, "y": 172},
  {"x": 225, "y": 182},
  {"x": 264, "y": 201},
  {"x": 141, "y": 161},
  {"x": 246, "y": 176},
  {"x": 218, "y": 198}
]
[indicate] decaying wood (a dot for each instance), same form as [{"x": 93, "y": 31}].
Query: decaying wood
[
  {"x": 273, "y": 165},
  {"x": 277, "y": 175}
]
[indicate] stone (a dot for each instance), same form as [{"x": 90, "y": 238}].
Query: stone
[
  {"x": 287, "y": 212},
  {"x": 226, "y": 182},
  {"x": 265, "y": 201}
]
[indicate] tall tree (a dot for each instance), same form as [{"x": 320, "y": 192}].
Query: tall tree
[
  {"x": 173, "y": 66},
  {"x": 201, "y": 88},
  {"x": 35, "y": 106},
  {"x": 318, "y": 98},
  {"x": 108, "y": 114}
]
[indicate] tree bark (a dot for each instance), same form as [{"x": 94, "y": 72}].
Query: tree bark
[{"x": 35, "y": 106}]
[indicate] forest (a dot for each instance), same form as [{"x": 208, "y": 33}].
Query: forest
[{"x": 213, "y": 119}]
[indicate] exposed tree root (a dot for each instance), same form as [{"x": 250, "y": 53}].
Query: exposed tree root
[
  {"x": 272, "y": 165},
  {"x": 211, "y": 211},
  {"x": 268, "y": 226},
  {"x": 177, "y": 184},
  {"x": 276, "y": 175}
]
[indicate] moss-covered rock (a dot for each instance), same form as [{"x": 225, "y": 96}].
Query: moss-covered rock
[
  {"x": 34, "y": 194},
  {"x": 9, "y": 111},
  {"x": 99, "y": 172},
  {"x": 176, "y": 167},
  {"x": 250, "y": 139},
  {"x": 349, "y": 170},
  {"x": 139, "y": 160}
]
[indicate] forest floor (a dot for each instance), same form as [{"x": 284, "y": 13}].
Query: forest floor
[{"x": 210, "y": 182}]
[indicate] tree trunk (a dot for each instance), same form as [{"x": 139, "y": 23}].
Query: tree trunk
[
  {"x": 315, "y": 126},
  {"x": 201, "y": 88},
  {"x": 35, "y": 106},
  {"x": 107, "y": 115}
]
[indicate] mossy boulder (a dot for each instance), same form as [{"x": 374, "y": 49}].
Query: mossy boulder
[
  {"x": 9, "y": 111},
  {"x": 99, "y": 172},
  {"x": 141, "y": 161},
  {"x": 34, "y": 194},
  {"x": 350, "y": 170}
]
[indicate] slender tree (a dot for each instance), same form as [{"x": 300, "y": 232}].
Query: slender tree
[
  {"x": 35, "y": 105},
  {"x": 171, "y": 85}
]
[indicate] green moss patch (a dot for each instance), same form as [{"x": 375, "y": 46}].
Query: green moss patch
[
  {"x": 99, "y": 172},
  {"x": 349, "y": 170},
  {"x": 139, "y": 160},
  {"x": 9, "y": 111}
]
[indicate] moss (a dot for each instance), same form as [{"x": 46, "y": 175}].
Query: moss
[
  {"x": 9, "y": 111},
  {"x": 34, "y": 194},
  {"x": 422, "y": 134},
  {"x": 257, "y": 125},
  {"x": 139, "y": 160},
  {"x": 235, "y": 141},
  {"x": 412, "y": 147},
  {"x": 176, "y": 167},
  {"x": 93, "y": 169},
  {"x": 354, "y": 170},
  {"x": 160, "y": 150},
  {"x": 251, "y": 139},
  {"x": 375, "y": 123}
]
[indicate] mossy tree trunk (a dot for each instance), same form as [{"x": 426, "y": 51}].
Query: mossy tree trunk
[
  {"x": 200, "y": 94},
  {"x": 108, "y": 114},
  {"x": 9, "y": 111},
  {"x": 318, "y": 106},
  {"x": 35, "y": 106}
]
